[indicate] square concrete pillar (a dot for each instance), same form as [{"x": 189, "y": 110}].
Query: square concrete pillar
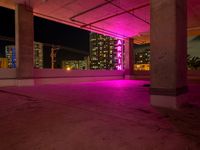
[
  {"x": 24, "y": 38},
  {"x": 128, "y": 58},
  {"x": 168, "y": 52}
]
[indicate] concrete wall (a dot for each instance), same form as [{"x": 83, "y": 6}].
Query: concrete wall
[
  {"x": 57, "y": 76},
  {"x": 191, "y": 74},
  {"x": 7, "y": 73},
  {"x": 58, "y": 73}
]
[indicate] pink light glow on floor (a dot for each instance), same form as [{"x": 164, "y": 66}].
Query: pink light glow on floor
[{"x": 108, "y": 115}]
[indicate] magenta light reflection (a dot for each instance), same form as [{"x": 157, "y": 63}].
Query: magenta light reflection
[{"x": 119, "y": 47}]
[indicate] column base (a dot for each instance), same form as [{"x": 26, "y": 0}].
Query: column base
[{"x": 171, "y": 102}]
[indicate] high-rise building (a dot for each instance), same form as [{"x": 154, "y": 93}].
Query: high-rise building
[
  {"x": 142, "y": 59},
  {"x": 38, "y": 55},
  {"x": 106, "y": 52},
  {"x": 11, "y": 55},
  {"x": 74, "y": 64}
]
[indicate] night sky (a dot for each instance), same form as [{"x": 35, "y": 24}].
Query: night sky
[
  {"x": 56, "y": 33},
  {"x": 47, "y": 31},
  {"x": 7, "y": 22}
]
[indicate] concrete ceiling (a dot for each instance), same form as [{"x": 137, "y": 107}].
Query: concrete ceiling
[{"x": 122, "y": 18}]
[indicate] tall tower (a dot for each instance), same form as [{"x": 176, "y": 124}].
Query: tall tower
[
  {"x": 104, "y": 52},
  {"x": 38, "y": 55}
]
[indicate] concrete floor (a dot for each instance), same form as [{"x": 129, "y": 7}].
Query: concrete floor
[{"x": 109, "y": 115}]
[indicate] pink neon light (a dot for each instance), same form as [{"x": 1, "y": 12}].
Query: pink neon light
[
  {"x": 119, "y": 67},
  {"x": 119, "y": 61},
  {"x": 119, "y": 55},
  {"x": 119, "y": 42},
  {"x": 119, "y": 48}
]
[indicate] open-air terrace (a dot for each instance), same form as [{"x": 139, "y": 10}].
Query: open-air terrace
[{"x": 104, "y": 115}]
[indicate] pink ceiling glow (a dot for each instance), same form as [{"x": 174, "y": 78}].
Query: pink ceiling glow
[{"x": 122, "y": 18}]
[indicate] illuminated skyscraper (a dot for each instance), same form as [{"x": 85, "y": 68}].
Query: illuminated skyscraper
[
  {"x": 104, "y": 52},
  {"x": 38, "y": 55},
  {"x": 11, "y": 55},
  {"x": 74, "y": 64}
]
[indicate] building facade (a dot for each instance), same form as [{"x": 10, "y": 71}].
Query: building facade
[
  {"x": 106, "y": 52},
  {"x": 75, "y": 64},
  {"x": 38, "y": 55},
  {"x": 142, "y": 58},
  {"x": 9, "y": 60},
  {"x": 10, "y": 56}
]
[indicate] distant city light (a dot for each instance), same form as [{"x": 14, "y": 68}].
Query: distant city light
[{"x": 68, "y": 68}]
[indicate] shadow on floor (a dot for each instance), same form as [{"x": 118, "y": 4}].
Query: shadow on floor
[{"x": 186, "y": 120}]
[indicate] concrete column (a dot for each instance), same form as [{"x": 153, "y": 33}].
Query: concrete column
[
  {"x": 168, "y": 52},
  {"x": 128, "y": 57},
  {"x": 24, "y": 38}
]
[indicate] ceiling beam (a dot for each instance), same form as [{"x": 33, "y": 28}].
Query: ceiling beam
[
  {"x": 121, "y": 13},
  {"x": 91, "y": 9}
]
